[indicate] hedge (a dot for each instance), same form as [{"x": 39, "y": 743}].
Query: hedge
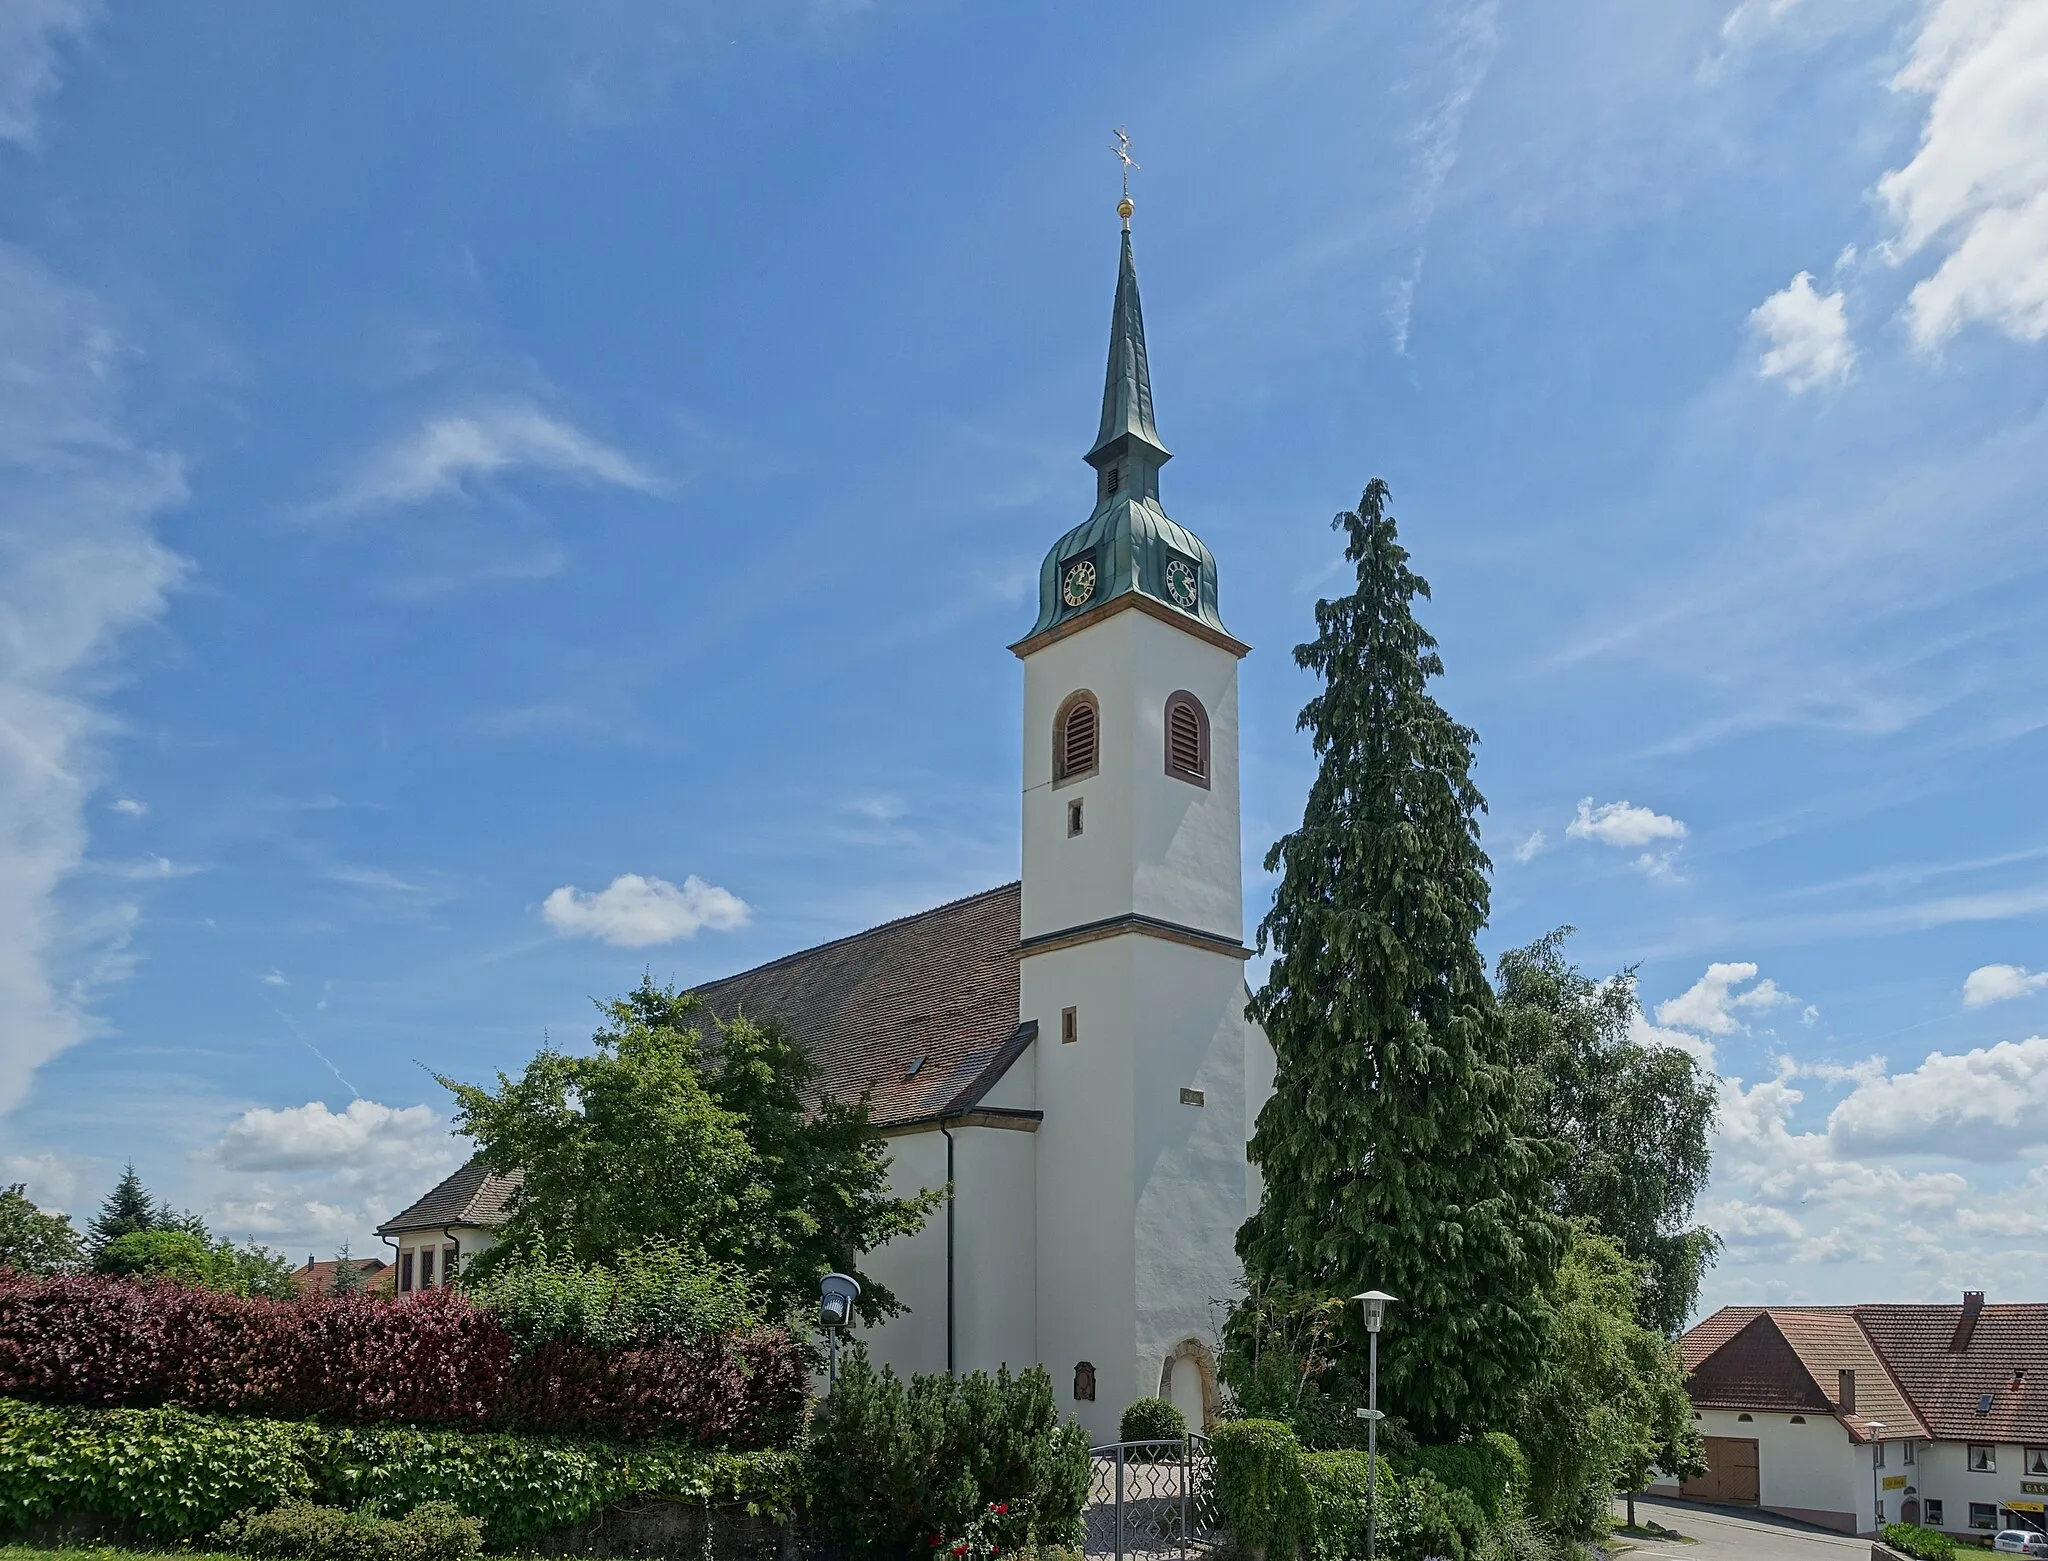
[
  {"x": 1926, "y": 1543},
  {"x": 1339, "y": 1485},
  {"x": 1491, "y": 1470},
  {"x": 430, "y": 1359},
  {"x": 177, "y": 1475},
  {"x": 1261, "y": 1491}
]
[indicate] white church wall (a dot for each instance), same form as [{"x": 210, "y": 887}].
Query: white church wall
[
  {"x": 995, "y": 1256},
  {"x": 1259, "y": 1066},
  {"x": 914, "y": 1267},
  {"x": 1086, "y": 1197}
]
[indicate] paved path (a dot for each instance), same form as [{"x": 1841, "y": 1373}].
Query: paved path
[{"x": 1727, "y": 1535}]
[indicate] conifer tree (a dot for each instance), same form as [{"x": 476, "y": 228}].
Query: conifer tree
[
  {"x": 128, "y": 1208},
  {"x": 1391, "y": 1147}
]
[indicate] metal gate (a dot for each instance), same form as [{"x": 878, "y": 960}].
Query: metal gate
[{"x": 1152, "y": 1500}]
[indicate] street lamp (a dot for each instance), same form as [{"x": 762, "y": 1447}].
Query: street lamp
[
  {"x": 1876, "y": 1451},
  {"x": 1374, "y": 1303},
  {"x": 836, "y": 1295}
]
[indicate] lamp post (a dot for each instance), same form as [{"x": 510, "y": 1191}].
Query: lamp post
[
  {"x": 836, "y": 1295},
  {"x": 1374, "y": 1303},
  {"x": 1876, "y": 1452}
]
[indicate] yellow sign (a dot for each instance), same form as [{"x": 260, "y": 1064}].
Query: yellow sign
[
  {"x": 2023, "y": 1506},
  {"x": 1894, "y": 1482}
]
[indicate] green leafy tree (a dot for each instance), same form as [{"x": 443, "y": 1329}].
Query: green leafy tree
[
  {"x": 128, "y": 1209},
  {"x": 1638, "y": 1119},
  {"x": 33, "y": 1241},
  {"x": 1393, "y": 1147},
  {"x": 248, "y": 1270},
  {"x": 663, "y": 1134},
  {"x": 1608, "y": 1403}
]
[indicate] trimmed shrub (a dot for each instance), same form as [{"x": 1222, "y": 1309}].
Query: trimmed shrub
[
  {"x": 433, "y": 1531},
  {"x": 659, "y": 1290},
  {"x": 1152, "y": 1420},
  {"x": 1261, "y": 1490},
  {"x": 177, "y": 1475},
  {"x": 1926, "y": 1543},
  {"x": 1490, "y": 1469},
  {"x": 1341, "y": 1492},
  {"x": 430, "y": 1359},
  {"x": 893, "y": 1465}
]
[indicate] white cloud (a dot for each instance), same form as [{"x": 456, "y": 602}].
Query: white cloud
[
  {"x": 54, "y": 1181},
  {"x": 1806, "y": 336},
  {"x": 1710, "y": 1004},
  {"x": 449, "y": 452},
  {"x": 1622, "y": 824},
  {"x": 1528, "y": 850},
  {"x": 273, "y": 978},
  {"x": 1697, "y": 1047},
  {"x": 1997, "y": 983},
  {"x": 635, "y": 912},
  {"x": 79, "y": 566},
  {"x": 30, "y": 32},
  {"x": 1979, "y": 181},
  {"x": 1986, "y": 1104},
  {"x": 130, "y": 806},
  {"x": 309, "y": 1178}
]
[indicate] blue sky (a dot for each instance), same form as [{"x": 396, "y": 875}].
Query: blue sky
[{"x": 496, "y": 499}]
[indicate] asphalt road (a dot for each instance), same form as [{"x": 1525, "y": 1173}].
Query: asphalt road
[{"x": 1727, "y": 1535}]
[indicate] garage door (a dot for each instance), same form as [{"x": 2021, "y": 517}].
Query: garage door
[{"x": 1731, "y": 1471}]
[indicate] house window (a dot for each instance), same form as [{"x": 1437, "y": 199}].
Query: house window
[
  {"x": 1907, "y": 1457},
  {"x": 426, "y": 1268},
  {"x": 1799, "y": 1420},
  {"x": 1983, "y": 1458},
  {"x": 1076, "y": 737},
  {"x": 1932, "y": 1508},
  {"x": 1984, "y": 1515},
  {"x": 1745, "y": 1417},
  {"x": 1074, "y": 817},
  {"x": 1877, "y": 1454},
  {"x": 1070, "y": 1026},
  {"x": 405, "y": 1271},
  {"x": 1187, "y": 739},
  {"x": 2037, "y": 1460},
  {"x": 449, "y": 1256}
]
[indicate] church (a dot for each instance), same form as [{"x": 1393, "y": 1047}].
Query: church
[{"x": 1069, "y": 1052}]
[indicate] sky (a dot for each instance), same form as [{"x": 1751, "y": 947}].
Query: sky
[{"x": 498, "y": 499}]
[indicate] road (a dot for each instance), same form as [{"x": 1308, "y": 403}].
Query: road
[{"x": 1725, "y": 1535}]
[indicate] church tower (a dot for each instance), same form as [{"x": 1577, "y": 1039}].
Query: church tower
[{"x": 1148, "y": 1071}]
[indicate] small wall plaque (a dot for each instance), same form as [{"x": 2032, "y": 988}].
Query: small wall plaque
[
  {"x": 1084, "y": 1381},
  {"x": 1192, "y": 1097}
]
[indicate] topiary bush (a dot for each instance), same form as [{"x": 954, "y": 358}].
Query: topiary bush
[
  {"x": 306, "y": 1531},
  {"x": 1925, "y": 1543},
  {"x": 1342, "y": 1493},
  {"x": 176, "y": 1475},
  {"x": 1261, "y": 1490},
  {"x": 893, "y": 1464},
  {"x": 1152, "y": 1420}
]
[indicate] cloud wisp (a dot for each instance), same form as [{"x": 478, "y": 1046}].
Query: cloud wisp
[
  {"x": 30, "y": 34},
  {"x": 635, "y": 912},
  {"x": 452, "y": 454},
  {"x": 1805, "y": 335},
  {"x": 80, "y": 567},
  {"x": 1628, "y": 827}
]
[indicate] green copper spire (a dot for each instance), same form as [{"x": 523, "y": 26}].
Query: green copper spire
[{"x": 1127, "y": 388}]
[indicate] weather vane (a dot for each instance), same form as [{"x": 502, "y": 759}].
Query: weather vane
[{"x": 1122, "y": 147}]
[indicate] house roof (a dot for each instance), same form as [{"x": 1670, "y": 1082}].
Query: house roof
[
  {"x": 316, "y": 1276},
  {"x": 1917, "y": 1370},
  {"x": 918, "y": 1014}
]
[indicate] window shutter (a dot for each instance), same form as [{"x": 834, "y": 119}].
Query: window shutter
[
  {"x": 1077, "y": 740},
  {"x": 1184, "y": 738}
]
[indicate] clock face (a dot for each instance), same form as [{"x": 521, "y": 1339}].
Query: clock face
[
  {"x": 1182, "y": 584},
  {"x": 1079, "y": 583}
]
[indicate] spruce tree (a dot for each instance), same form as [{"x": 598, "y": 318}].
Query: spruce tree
[
  {"x": 1391, "y": 1148},
  {"x": 129, "y": 1208}
]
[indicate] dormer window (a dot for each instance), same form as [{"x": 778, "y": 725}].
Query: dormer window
[
  {"x": 1076, "y": 738},
  {"x": 1187, "y": 739}
]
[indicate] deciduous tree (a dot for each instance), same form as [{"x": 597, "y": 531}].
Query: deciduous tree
[
  {"x": 33, "y": 1241},
  {"x": 1393, "y": 1148}
]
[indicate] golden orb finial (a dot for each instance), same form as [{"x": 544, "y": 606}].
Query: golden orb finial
[{"x": 1124, "y": 208}]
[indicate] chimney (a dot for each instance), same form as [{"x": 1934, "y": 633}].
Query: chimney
[
  {"x": 1966, "y": 1325},
  {"x": 1845, "y": 1391}
]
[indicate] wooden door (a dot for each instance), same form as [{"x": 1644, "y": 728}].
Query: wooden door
[{"x": 1731, "y": 1471}]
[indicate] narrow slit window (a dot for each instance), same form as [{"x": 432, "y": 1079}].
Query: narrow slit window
[
  {"x": 1070, "y": 1026},
  {"x": 1116, "y": 478},
  {"x": 1074, "y": 817},
  {"x": 449, "y": 1257},
  {"x": 426, "y": 1268},
  {"x": 1187, "y": 739},
  {"x": 404, "y": 1271},
  {"x": 1076, "y": 739}
]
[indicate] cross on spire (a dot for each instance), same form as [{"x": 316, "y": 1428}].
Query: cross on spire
[{"x": 1122, "y": 147}]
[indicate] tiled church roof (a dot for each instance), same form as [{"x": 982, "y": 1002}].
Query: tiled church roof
[{"x": 920, "y": 1014}]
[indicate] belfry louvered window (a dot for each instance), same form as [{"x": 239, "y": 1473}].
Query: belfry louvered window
[
  {"x": 1076, "y": 738},
  {"x": 1187, "y": 739}
]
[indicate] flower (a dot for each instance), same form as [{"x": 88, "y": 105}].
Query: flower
[{"x": 961, "y": 1548}]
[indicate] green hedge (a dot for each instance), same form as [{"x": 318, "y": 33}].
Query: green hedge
[
  {"x": 1491, "y": 1470},
  {"x": 1261, "y": 1489},
  {"x": 177, "y": 1475},
  {"x": 1926, "y": 1543},
  {"x": 1339, "y": 1485}
]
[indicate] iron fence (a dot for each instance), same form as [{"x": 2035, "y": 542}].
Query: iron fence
[{"x": 1152, "y": 1500}]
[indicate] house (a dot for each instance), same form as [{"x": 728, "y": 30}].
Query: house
[
  {"x": 1852, "y": 1416},
  {"x": 317, "y": 1276},
  {"x": 1070, "y": 1052}
]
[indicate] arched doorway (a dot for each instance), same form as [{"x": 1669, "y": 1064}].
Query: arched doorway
[
  {"x": 1188, "y": 1381},
  {"x": 1909, "y": 1510}
]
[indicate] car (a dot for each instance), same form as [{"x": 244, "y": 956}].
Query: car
[{"x": 2021, "y": 1542}]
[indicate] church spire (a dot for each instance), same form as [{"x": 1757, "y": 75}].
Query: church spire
[{"x": 1127, "y": 387}]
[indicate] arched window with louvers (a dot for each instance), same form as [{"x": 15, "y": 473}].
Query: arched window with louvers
[
  {"x": 1076, "y": 738},
  {"x": 1187, "y": 739}
]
